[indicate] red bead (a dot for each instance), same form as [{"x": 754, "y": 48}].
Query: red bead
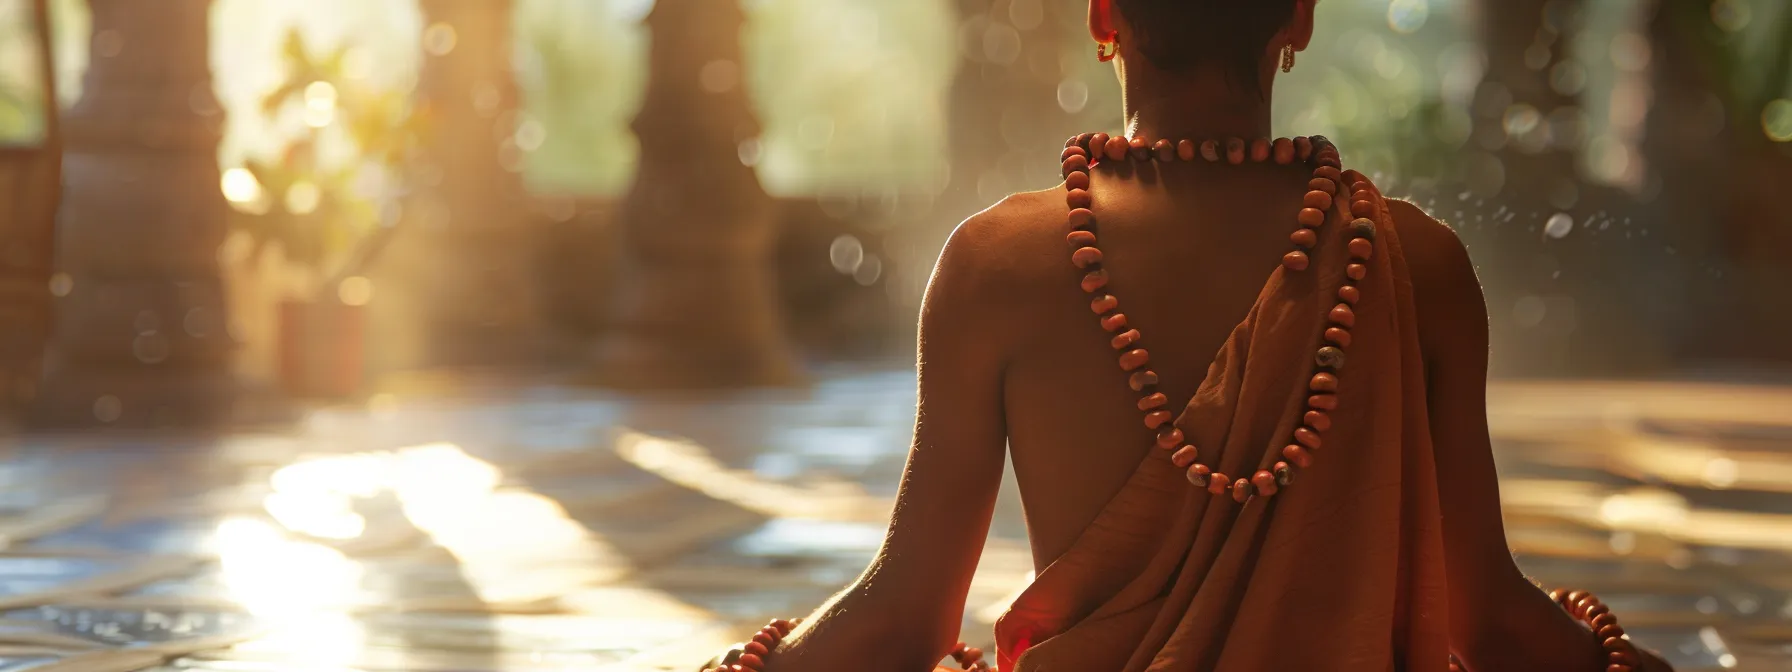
[
  {"x": 1301, "y": 237},
  {"x": 1339, "y": 336},
  {"x": 1169, "y": 437},
  {"x": 1072, "y": 150},
  {"x": 1349, "y": 294},
  {"x": 1303, "y": 148},
  {"x": 751, "y": 662},
  {"x": 1104, "y": 304},
  {"x": 1311, "y": 218},
  {"x": 1241, "y": 490},
  {"x": 1284, "y": 151},
  {"x": 1361, "y": 249},
  {"x": 1318, "y": 200},
  {"x": 1260, "y": 150},
  {"x": 1356, "y": 271},
  {"x": 959, "y": 649},
  {"x": 1081, "y": 218},
  {"x": 1138, "y": 149},
  {"x": 1185, "y": 456},
  {"x": 1080, "y": 239},
  {"x": 1320, "y": 184},
  {"x": 1095, "y": 280},
  {"x": 1620, "y": 657},
  {"x": 1141, "y": 380},
  {"x": 1163, "y": 150},
  {"x": 1330, "y": 160},
  {"x": 1217, "y": 483},
  {"x": 1317, "y": 420},
  {"x": 1362, "y": 208},
  {"x": 1185, "y": 150},
  {"x": 1298, "y": 455},
  {"x": 1597, "y": 610},
  {"x": 1156, "y": 419},
  {"x": 1323, "y": 402},
  {"x": 1307, "y": 437},
  {"x": 1611, "y": 643},
  {"x": 1076, "y": 182},
  {"x": 1210, "y": 150},
  {"x": 1602, "y": 620},
  {"x": 757, "y": 649},
  {"x": 1619, "y": 668},
  {"x": 1360, "y": 192},
  {"x": 1198, "y": 474},
  {"x": 1133, "y": 360},
  {"x": 1235, "y": 151},
  {"x": 1126, "y": 339},
  {"x": 765, "y": 640},
  {"x": 1098, "y": 145},
  {"x": 1086, "y": 257},
  {"x": 1265, "y": 483},
  {"x": 1328, "y": 172},
  {"x": 1077, "y": 163},
  {"x": 1117, "y": 148},
  {"x": 1608, "y": 632},
  {"x": 1342, "y": 314},
  {"x": 1295, "y": 261},
  {"x": 1112, "y": 323},
  {"x": 973, "y": 654},
  {"x": 1079, "y": 198},
  {"x": 1323, "y": 382},
  {"x": 1153, "y": 400}
]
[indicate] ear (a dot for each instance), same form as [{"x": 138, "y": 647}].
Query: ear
[
  {"x": 1300, "y": 26},
  {"x": 1101, "y": 20}
]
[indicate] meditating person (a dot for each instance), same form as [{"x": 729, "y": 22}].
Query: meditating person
[{"x": 1244, "y": 394}]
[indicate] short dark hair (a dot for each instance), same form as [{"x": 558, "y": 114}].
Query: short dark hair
[{"x": 1181, "y": 34}]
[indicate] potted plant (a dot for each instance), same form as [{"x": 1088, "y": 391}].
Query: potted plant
[{"x": 328, "y": 201}]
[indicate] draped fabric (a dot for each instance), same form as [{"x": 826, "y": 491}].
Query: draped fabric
[{"x": 1341, "y": 570}]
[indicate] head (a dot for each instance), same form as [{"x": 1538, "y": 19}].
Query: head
[{"x": 1240, "y": 40}]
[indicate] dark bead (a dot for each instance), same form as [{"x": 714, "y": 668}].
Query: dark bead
[
  {"x": 1363, "y": 228},
  {"x": 1284, "y": 474},
  {"x": 1330, "y": 357}
]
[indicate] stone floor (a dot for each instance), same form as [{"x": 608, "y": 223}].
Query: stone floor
[{"x": 449, "y": 526}]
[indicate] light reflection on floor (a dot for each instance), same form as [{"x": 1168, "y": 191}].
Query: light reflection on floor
[{"x": 541, "y": 528}]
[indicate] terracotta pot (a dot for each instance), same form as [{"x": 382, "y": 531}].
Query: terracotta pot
[{"x": 322, "y": 348}]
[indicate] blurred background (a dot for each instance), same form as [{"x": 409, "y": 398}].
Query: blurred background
[{"x": 494, "y": 334}]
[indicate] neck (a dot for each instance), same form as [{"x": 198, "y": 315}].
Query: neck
[{"x": 1199, "y": 104}]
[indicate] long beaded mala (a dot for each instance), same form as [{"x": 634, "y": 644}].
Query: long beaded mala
[{"x": 1083, "y": 152}]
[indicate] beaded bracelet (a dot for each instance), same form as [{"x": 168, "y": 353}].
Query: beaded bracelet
[
  {"x": 1620, "y": 654},
  {"x": 752, "y": 656}
]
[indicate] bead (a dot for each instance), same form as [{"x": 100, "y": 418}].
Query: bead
[
  {"x": 1141, "y": 380},
  {"x": 1329, "y": 357},
  {"x": 1298, "y": 454},
  {"x": 1284, "y": 151},
  {"x": 1083, "y": 140},
  {"x": 1185, "y": 150},
  {"x": 1134, "y": 359},
  {"x": 1360, "y": 192},
  {"x": 1156, "y": 419},
  {"x": 1217, "y": 483},
  {"x": 1234, "y": 151},
  {"x": 757, "y": 649},
  {"x": 1304, "y": 238},
  {"x": 1117, "y": 148},
  {"x": 1295, "y": 261},
  {"x": 1620, "y": 657},
  {"x": 1349, "y": 294},
  {"x": 1608, "y": 631},
  {"x": 1343, "y": 315},
  {"x": 751, "y": 662},
  {"x": 1113, "y": 323},
  {"x": 1318, "y": 200},
  {"x": 1362, "y": 208},
  {"x": 1073, "y": 151},
  {"x": 973, "y": 654},
  {"x": 1198, "y": 474},
  {"x": 1241, "y": 490},
  {"x": 1328, "y": 172},
  {"x": 1169, "y": 437},
  {"x": 1079, "y": 198},
  {"x": 1163, "y": 151},
  {"x": 1602, "y": 620},
  {"x": 1303, "y": 148},
  {"x": 1356, "y": 271},
  {"x": 1070, "y": 143},
  {"x": 1312, "y": 218},
  {"x": 765, "y": 640},
  {"x": 1330, "y": 160},
  {"x": 1361, "y": 249},
  {"x": 1153, "y": 401},
  {"x": 1086, "y": 257},
  {"x": 1125, "y": 340},
  {"x": 1080, "y": 239},
  {"x": 1573, "y": 596},
  {"x": 1323, "y": 382},
  {"x": 1210, "y": 150},
  {"x": 1612, "y": 643},
  {"x": 1284, "y": 474},
  {"x": 1098, "y": 145},
  {"x": 1307, "y": 437},
  {"x": 1317, "y": 420},
  {"x": 1260, "y": 150},
  {"x": 1081, "y": 218},
  {"x": 1076, "y": 181},
  {"x": 1076, "y": 164},
  {"x": 1619, "y": 668},
  {"x": 1265, "y": 483},
  {"x": 1340, "y": 337},
  {"x": 1598, "y": 609},
  {"x": 1321, "y": 184},
  {"x": 1323, "y": 402},
  {"x": 1185, "y": 456},
  {"x": 1104, "y": 304},
  {"x": 1362, "y": 228},
  {"x": 1138, "y": 149},
  {"x": 1095, "y": 280}
]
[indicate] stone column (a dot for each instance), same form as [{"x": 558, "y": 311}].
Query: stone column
[
  {"x": 140, "y": 332},
  {"x": 697, "y": 306},
  {"x": 30, "y": 187}
]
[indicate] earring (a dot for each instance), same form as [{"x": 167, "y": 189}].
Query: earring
[
  {"x": 1288, "y": 58},
  {"x": 1106, "y": 51}
]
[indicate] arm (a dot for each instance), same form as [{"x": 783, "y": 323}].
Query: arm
[
  {"x": 904, "y": 613},
  {"x": 1498, "y": 619}
]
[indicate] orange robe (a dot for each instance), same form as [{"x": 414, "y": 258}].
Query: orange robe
[{"x": 1343, "y": 570}]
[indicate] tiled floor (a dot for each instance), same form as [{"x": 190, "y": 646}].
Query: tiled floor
[{"x": 541, "y": 528}]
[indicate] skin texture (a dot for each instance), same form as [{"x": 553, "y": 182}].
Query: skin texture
[{"x": 1013, "y": 365}]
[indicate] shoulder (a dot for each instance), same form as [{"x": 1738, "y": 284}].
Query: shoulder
[
  {"x": 1006, "y": 246},
  {"x": 1447, "y": 293}
]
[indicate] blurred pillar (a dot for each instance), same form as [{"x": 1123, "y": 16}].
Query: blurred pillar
[
  {"x": 30, "y": 187},
  {"x": 465, "y": 253},
  {"x": 697, "y": 306},
  {"x": 140, "y": 336}
]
